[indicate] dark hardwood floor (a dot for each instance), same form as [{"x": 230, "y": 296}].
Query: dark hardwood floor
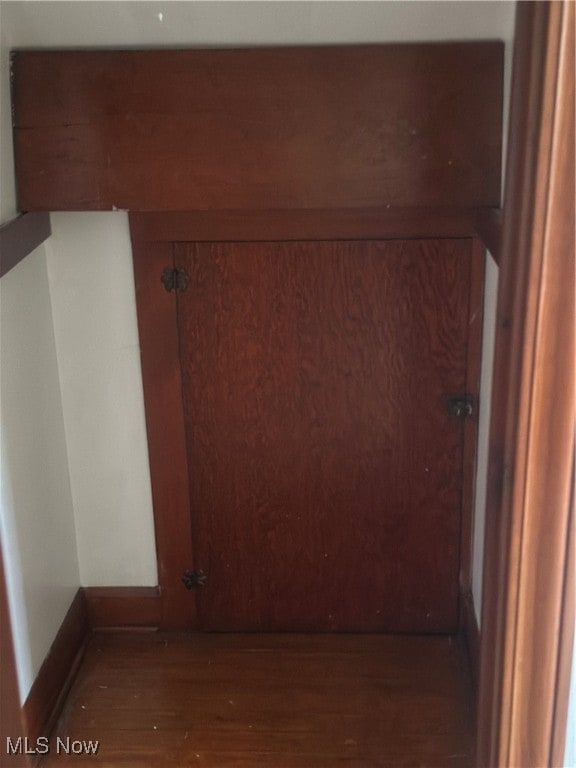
[{"x": 277, "y": 701}]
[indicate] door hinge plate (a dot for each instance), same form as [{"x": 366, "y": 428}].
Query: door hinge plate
[
  {"x": 194, "y": 579},
  {"x": 174, "y": 279},
  {"x": 460, "y": 406}
]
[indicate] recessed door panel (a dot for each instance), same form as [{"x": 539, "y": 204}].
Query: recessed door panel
[{"x": 325, "y": 467}]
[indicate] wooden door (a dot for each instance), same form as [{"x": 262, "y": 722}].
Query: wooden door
[{"x": 325, "y": 470}]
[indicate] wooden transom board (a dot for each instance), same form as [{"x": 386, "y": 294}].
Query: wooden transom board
[
  {"x": 361, "y": 127},
  {"x": 325, "y": 470}
]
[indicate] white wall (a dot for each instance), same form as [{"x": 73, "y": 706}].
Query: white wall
[
  {"x": 488, "y": 332},
  {"x": 210, "y": 24},
  {"x": 37, "y": 532},
  {"x": 36, "y": 513},
  {"x": 92, "y": 289},
  {"x": 7, "y": 187}
]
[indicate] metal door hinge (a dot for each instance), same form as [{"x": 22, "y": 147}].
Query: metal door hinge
[
  {"x": 174, "y": 279},
  {"x": 194, "y": 579},
  {"x": 460, "y": 406}
]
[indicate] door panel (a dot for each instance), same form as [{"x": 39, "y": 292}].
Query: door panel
[{"x": 325, "y": 470}]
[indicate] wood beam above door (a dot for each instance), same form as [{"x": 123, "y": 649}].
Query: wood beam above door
[
  {"x": 301, "y": 224},
  {"x": 257, "y": 129}
]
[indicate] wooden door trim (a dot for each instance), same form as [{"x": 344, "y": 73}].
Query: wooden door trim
[
  {"x": 389, "y": 222},
  {"x": 528, "y": 515},
  {"x": 162, "y": 382}
]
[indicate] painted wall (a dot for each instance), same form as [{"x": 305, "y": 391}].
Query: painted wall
[
  {"x": 94, "y": 309},
  {"x": 36, "y": 512},
  {"x": 488, "y": 332},
  {"x": 211, "y": 24},
  {"x": 37, "y": 531}
]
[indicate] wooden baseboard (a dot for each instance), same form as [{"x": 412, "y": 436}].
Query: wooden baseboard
[
  {"x": 123, "y": 607},
  {"x": 48, "y": 693},
  {"x": 471, "y": 632},
  {"x": 94, "y": 608}
]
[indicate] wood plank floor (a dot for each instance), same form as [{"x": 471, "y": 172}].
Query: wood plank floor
[{"x": 277, "y": 701}]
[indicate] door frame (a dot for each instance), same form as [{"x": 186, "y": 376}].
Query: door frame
[
  {"x": 153, "y": 238},
  {"x": 528, "y": 591}
]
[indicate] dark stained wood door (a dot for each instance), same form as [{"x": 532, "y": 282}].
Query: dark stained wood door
[{"x": 325, "y": 470}]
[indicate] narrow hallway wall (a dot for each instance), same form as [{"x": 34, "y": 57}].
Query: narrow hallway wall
[{"x": 37, "y": 531}]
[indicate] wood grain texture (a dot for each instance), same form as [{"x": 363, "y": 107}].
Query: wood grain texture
[
  {"x": 158, "y": 330},
  {"x": 123, "y": 607},
  {"x": 287, "y": 701},
  {"x": 325, "y": 471},
  {"x": 544, "y": 470},
  {"x": 319, "y": 127},
  {"x": 336, "y": 224},
  {"x": 50, "y": 688},
  {"x": 21, "y": 236},
  {"x": 530, "y": 479}
]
